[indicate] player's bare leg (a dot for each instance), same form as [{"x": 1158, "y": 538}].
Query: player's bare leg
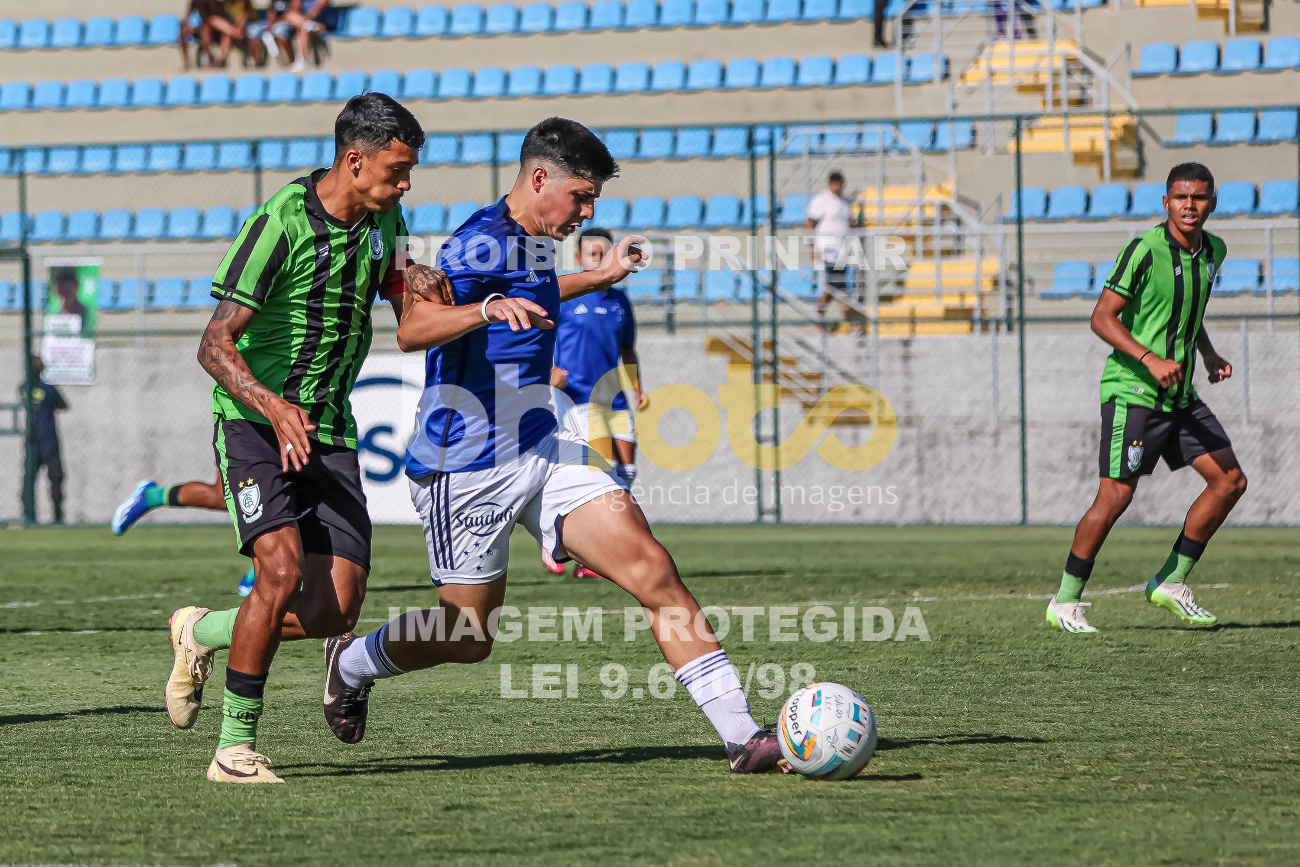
[
  {"x": 608, "y": 448},
  {"x": 1066, "y": 610}
]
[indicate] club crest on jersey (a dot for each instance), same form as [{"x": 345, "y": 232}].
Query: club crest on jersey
[
  {"x": 376, "y": 244},
  {"x": 1134, "y": 455},
  {"x": 250, "y": 501},
  {"x": 580, "y": 309}
]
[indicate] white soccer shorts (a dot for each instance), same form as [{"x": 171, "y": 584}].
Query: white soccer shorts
[{"x": 468, "y": 516}]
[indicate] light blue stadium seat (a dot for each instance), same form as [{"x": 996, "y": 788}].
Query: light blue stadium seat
[
  {"x": 282, "y": 87},
  {"x": 1157, "y": 58},
  {"x": 1100, "y": 274},
  {"x": 1035, "y": 199},
  {"x": 47, "y": 226},
  {"x": 234, "y": 156},
  {"x": 114, "y": 224},
  {"x": 476, "y": 148},
  {"x": 316, "y": 87},
  {"x": 34, "y": 33},
  {"x": 596, "y": 78},
  {"x": 466, "y": 20},
  {"x": 730, "y": 141},
  {"x": 501, "y": 18},
  {"x": 1237, "y": 276},
  {"x": 249, "y": 89},
  {"x": 1234, "y": 127},
  {"x": 1240, "y": 55},
  {"x": 877, "y": 137},
  {"x": 800, "y": 282},
  {"x": 631, "y": 77},
  {"x": 47, "y": 95},
  {"x": 1235, "y": 199},
  {"x": 82, "y": 226},
  {"x": 925, "y": 67},
  {"x": 778, "y": 72},
  {"x": 33, "y": 160},
  {"x": 1067, "y": 203},
  {"x": 131, "y": 159},
  {"x": 819, "y": 10},
  {"x": 130, "y": 31},
  {"x": 10, "y": 227},
  {"x": 349, "y": 84},
  {"x": 721, "y": 211},
  {"x": 560, "y": 80},
  {"x": 164, "y": 30},
  {"x": 676, "y": 13},
  {"x": 743, "y": 73},
  {"x": 622, "y": 143},
  {"x": 815, "y": 72},
  {"x": 198, "y": 293},
  {"x": 429, "y": 219},
  {"x": 96, "y": 159},
  {"x": 419, "y": 84},
  {"x": 605, "y": 15},
  {"x": 15, "y": 95},
  {"x": 168, "y": 293},
  {"x": 1276, "y": 125},
  {"x": 8, "y": 34},
  {"x": 686, "y": 284},
  {"x": 387, "y": 81},
  {"x": 218, "y": 222},
  {"x": 1283, "y": 53},
  {"x": 611, "y": 213},
  {"x": 1192, "y": 128},
  {"x": 524, "y": 81},
  {"x": 361, "y": 23},
  {"x": 66, "y": 33},
  {"x": 272, "y": 154},
  {"x": 440, "y": 149},
  {"x": 164, "y": 157},
  {"x": 840, "y": 139},
  {"x": 1286, "y": 274},
  {"x": 131, "y": 293},
  {"x": 454, "y": 84},
  {"x": 215, "y": 90},
  {"x": 535, "y": 18},
  {"x": 182, "y": 90},
  {"x": 398, "y": 23},
  {"x": 459, "y": 212},
  {"x": 509, "y": 144},
  {"x": 720, "y": 285},
  {"x": 748, "y": 11},
  {"x": 710, "y": 13},
  {"x": 782, "y": 10},
  {"x": 98, "y": 32},
  {"x": 667, "y": 75},
  {"x": 692, "y": 142},
  {"x": 326, "y": 150},
  {"x": 1108, "y": 201},
  {"x": 183, "y": 223},
  {"x": 489, "y": 83},
  {"x": 1277, "y": 198},
  {"x": 793, "y": 207},
  {"x": 646, "y": 284},
  {"x": 704, "y": 75},
  {"x": 113, "y": 93},
  {"x": 1197, "y": 56},
  {"x": 430, "y": 21},
  {"x": 656, "y": 144},
  {"x": 1069, "y": 279},
  {"x": 647, "y": 212},
  {"x": 149, "y": 224},
  {"x": 302, "y": 153},
  {"x": 1148, "y": 201},
  {"x": 884, "y": 69},
  {"x": 63, "y": 160},
  {"x": 570, "y": 16},
  {"x": 915, "y": 134},
  {"x": 637, "y": 14}
]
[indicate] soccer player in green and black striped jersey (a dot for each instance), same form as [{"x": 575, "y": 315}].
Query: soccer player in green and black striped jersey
[
  {"x": 1151, "y": 312},
  {"x": 285, "y": 344}
]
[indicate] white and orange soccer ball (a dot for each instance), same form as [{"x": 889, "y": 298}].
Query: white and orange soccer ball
[{"x": 827, "y": 732}]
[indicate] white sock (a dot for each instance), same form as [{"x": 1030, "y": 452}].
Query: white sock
[
  {"x": 714, "y": 684},
  {"x": 365, "y": 661},
  {"x": 626, "y": 472}
]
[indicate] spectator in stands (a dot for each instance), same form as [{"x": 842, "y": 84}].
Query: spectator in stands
[
  {"x": 306, "y": 19},
  {"x": 46, "y": 401},
  {"x": 274, "y": 32},
  {"x": 195, "y": 27},
  {"x": 828, "y": 216},
  {"x": 878, "y": 22}
]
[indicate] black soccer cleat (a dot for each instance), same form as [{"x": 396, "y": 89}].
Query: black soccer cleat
[
  {"x": 345, "y": 707},
  {"x": 761, "y": 754}
]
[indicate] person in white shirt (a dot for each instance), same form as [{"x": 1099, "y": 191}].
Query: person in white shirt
[{"x": 828, "y": 216}]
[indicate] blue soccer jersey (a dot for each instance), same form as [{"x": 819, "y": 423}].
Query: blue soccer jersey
[
  {"x": 591, "y": 333},
  {"x": 487, "y": 394}
]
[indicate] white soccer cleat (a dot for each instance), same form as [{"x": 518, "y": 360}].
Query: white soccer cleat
[
  {"x": 1179, "y": 599},
  {"x": 1069, "y": 616},
  {"x": 191, "y": 666},
  {"x": 241, "y": 764}
]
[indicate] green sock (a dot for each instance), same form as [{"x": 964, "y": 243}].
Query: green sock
[
  {"x": 155, "y": 497},
  {"x": 239, "y": 717},
  {"x": 1076, "y": 575},
  {"x": 215, "y": 629},
  {"x": 1181, "y": 560}
]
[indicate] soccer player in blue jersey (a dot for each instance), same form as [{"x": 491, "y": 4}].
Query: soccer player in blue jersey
[{"x": 487, "y": 455}]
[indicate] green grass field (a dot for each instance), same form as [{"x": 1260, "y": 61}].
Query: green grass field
[{"x": 1002, "y": 741}]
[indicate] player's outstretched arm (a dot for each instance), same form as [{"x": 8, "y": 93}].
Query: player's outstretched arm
[
  {"x": 221, "y": 359},
  {"x": 1217, "y": 367},
  {"x": 430, "y": 316},
  {"x": 1107, "y": 326},
  {"x": 620, "y": 262}
]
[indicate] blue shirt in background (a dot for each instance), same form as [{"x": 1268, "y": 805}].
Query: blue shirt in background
[{"x": 592, "y": 331}]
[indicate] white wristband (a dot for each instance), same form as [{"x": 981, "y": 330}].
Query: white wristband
[{"x": 486, "y": 301}]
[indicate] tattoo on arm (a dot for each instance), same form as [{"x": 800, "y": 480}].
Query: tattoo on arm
[{"x": 221, "y": 359}]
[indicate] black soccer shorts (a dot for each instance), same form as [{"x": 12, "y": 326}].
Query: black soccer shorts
[
  {"x": 324, "y": 499},
  {"x": 1134, "y": 438}
]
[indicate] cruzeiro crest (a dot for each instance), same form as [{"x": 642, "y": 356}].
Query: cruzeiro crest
[
  {"x": 250, "y": 500},
  {"x": 1134, "y": 455}
]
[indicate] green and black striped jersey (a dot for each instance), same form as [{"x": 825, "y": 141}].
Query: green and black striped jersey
[
  {"x": 1165, "y": 290},
  {"x": 312, "y": 281}
]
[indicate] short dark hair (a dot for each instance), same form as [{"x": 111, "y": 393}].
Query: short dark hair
[
  {"x": 371, "y": 121},
  {"x": 835, "y": 176},
  {"x": 569, "y": 146},
  {"x": 1189, "y": 172},
  {"x": 594, "y": 232}
]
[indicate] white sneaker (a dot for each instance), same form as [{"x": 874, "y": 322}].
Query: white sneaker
[
  {"x": 298, "y": 65},
  {"x": 1069, "y": 616},
  {"x": 1179, "y": 599},
  {"x": 241, "y": 764},
  {"x": 191, "y": 666}
]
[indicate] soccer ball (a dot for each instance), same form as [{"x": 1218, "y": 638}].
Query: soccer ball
[{"x": 827, "y": 732}]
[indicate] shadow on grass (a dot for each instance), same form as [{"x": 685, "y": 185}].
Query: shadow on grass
[
  {"x": 19, "y": 719},
  {"x": 418, "y": 764},
  {"x": 953, "y": 740},
  {"x": 1219, "y": 627},
  {"x": 75, "y": 630},
  {"x": 868, "y": 777}
]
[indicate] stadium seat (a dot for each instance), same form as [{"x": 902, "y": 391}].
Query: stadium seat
[
  {"x": 429, "y": 219},
  {"x": 131, "y": 292},
  {"x": 466, "y": 20},
  {"x": 168, "y": 293},
  {"x": 747, "y": 11},
  {"x": 704, "y": 75},
  {"x": 1237, "y": 276},
  {"x": 183, "y": 223},
  {"x": 1283, "y": 53},
  {"x": 1286, "y": 274},
  {"x": 476, "y": 148},
  {"x": 47, "y": 95},
  {"x": 1035, "y": 199},
  {"x": 819, "y": 10},
  {"x": 1277, "y": 198},
  {"x": 782, "y": 10},
  {"x": 916, "y": 134},
  {"x": 839, "y": 139},
  {"x": 302, "y": 153},
  {"x": 10, "y": 227},
  {"x": 1197, "y": 56},
  {"x": 164, "y": 30},
  {"x": 535, "y": 18},
  {"x": 8, "y": 33},
  {"x": 884, "y": 69},
  {"x": 63, "y": 160},
  {"x": 248, "y": 89},
  {"x": 82, "y": 226},
  {"x": 98, "y": 32},
  {"x": 742, "y": 73},
  {"x": 596, "y": 78},
  {"x": 454, "y": 84},
  {"x": 218, "y": 222},
  {"x": 1276, "y": 125},
  {"x": 149, "y": 224},
  {"x": 327, "y": 150},
  {"x": 34, "y": 33},
  {"x": 459, "y": 212},
  {"x": 164, "y": 157},
  {"x": 282, "y": 87},
  {"x": 1067, "y": 203},
  {"x": 647, "y": 283},
  {"x": 778, "y": 72},
  {"x": 131, "y": 158},
  {"x": 877, "y": 137},
  {"x": 638, "y": 14},
  {"x": 656, "y": 144},
  {"x": 793, "y": 207},
  {"x": 47, "y": 226},
  {"x": 1148, "y": 201},
  {"x": 15, "y": 95},
  {"x": 501, "y": 18},
  {"x": 181, "y": 90},
  {"x": 419, "y": 84},
  {"x": 953, "y": 135},
  {"x": 509, "y": 144},
  {"x": 561, "y": 80},
  {"x": 686, "y": 283},
  {"x": 215, "y": 90},
  {"x": 489, "y": 83},
  {"x": 316, "y": 87},
  {"x": 570, "y": 16},
  {"x": 440, "y": 149},
  {"x": 730, "y": 141},
  {"x": 632, "y": 77},
  {"x": 66, "y": 33},
  {"x": 1192, "y": 128},
  {"x": 387, "y": 81},
  {"x": 1157, "y": 58},
  {"x": 113, "y": 93},
  {"x": 349, "y": 84},
  {"x": 524, "y": 81},
  {"x": 606, "y": 15},
  {"x": 1108, "y": 201},
  {"x": 711, "y": 13},
  {"x": 1100, "y": 274},
  {"x": 1234, "y": 127},
  {"x": 430, "y": 21},
  {"x": 925, "y": 67},
  {"x": 720, "y": 285},
  {"x": 647, "y": 212},
  {"x": 198, "y": 293},
  {"x": 815, "y": 72},
  {"x": 721, "y": 211},
  {"x": 1240, "y": 55},
  {"x": 96, "y": 159},
  {"x": 1069, "y": 279},
  {"x": 692, "y": 143},
  {"x": 114, "y": 225},
  {"x": 667, "y": 75},
  {"x": 610, "y": 213},
  {"x": 130, "y": 31},
  {"x": 272, "y": 154},
  {"x": 234, "y": 156},
  {"x": 622, "y": 143},
  {"x": 398, "y": 23},
  {"x": 30, "y": 159},
  {"x": 1235, "y": 199},
  {"x": 361, "y": 23}
]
